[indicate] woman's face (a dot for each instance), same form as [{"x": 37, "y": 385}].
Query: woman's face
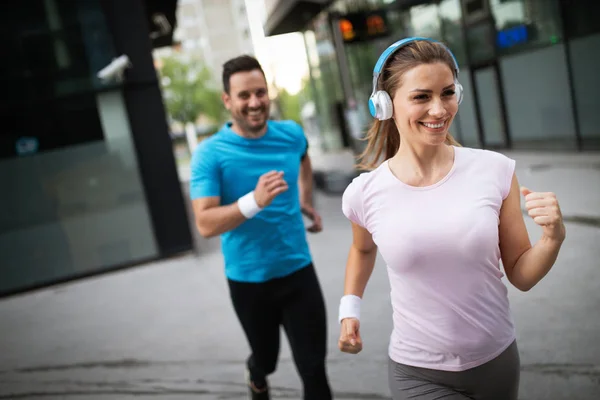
[{"x": 425, "y": 104}]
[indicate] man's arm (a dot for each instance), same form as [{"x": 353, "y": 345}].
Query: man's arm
[
  {"x": 306, "y": 182},
  {"x": 212, "y": 219}
]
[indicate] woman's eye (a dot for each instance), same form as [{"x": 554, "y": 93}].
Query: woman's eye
[
  {"x": 449, "y": 93},
  {"x": 421, "y": 97}
]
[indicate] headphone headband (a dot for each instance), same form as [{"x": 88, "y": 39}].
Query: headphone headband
[{"x": 398, "y": 45}]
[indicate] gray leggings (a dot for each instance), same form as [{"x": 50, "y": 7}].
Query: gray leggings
[{"x": 497, "y": 379}]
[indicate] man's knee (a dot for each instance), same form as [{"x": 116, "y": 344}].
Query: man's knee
[
  {"x": 315, "y": 382},
  {"x": 270, "y": 367},
  {"x": 266, "y": 365},
  {"x": 311, "y": 368}
]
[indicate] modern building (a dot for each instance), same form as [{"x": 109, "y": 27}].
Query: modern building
[
  {"x": 528, "y": 67},
  {"x": 86, "y": 164},
  {"x": 212, "y": 31}
]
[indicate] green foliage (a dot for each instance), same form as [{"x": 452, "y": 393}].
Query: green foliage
[
  {"x": 189, "y": 91},
  {"x": 291, "y": 105}
]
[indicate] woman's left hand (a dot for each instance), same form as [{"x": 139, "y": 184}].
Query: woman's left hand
[{"x": 543, "y": 207}]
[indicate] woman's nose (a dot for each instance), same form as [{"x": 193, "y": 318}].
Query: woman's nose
[{"x": 437, "y": 109}]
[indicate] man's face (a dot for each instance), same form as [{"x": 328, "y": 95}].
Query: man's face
[{"x": 248, "y": 101}]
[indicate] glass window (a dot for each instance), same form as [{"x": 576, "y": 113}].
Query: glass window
[
  {"x": 55, "y": 124},
  {"x": 480, "y": 40},
  {"x": 489, "y": 107},
  {"x": 399, "y": 23},
  {"x": 581, "y": 17},
  {"x": 362, "y": 58},
  {"x": 465, "y": 124},
  {"x": 326, "y": 80},
  {"x": 425, "y": 22},
  {"x": 438, "y": 21},
  {"x": 56, "y": 50},
  {"x": 538, "y": 103},
  {"x": 76, "y": 203},
  {"x": 585, "y": 59},
  {"x": 523, "y": 24},
  {"x": 451, "y": 27}
]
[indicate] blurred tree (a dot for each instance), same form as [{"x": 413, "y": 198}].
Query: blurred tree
[
  {"x": 290, "y": 105},
  {"x": 189, "y": 91}
]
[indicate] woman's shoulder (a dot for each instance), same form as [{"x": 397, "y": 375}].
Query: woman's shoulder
[
  {"x": 365, "y": 179},
  {"x": 488, "y": 163},
  {"x": 481, "y": 154},
  {"x": 484, "y": 158},
  {"x": 360, "y": 184}
]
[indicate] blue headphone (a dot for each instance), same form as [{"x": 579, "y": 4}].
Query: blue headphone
[{"x": 380, "y": 102}]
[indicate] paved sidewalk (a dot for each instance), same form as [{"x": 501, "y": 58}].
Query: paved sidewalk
[{"x": 166, "y": 330}]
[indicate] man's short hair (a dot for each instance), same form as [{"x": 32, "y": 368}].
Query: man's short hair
[{"x": 239, "y": 64}]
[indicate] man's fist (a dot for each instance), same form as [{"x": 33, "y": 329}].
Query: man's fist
[
  {"x": 313, "y": 215},
  {"x": 269, "y": 185}
]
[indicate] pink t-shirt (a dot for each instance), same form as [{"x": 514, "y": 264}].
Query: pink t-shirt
[{"x": 441, "y": 247}]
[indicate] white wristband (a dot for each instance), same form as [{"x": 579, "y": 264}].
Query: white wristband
[
  {"x": 248, "y": 206},
  {"x": 349, "y": 307}
]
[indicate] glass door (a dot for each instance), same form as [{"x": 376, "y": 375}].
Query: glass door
[
  {"x": 491, "y": 115},
  {"x": 485, "y": 79}
]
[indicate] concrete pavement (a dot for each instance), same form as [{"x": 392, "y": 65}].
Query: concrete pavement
[{"x": 166, "y": 330}]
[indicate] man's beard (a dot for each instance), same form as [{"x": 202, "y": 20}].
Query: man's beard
[{"x": 252, "y": 130}]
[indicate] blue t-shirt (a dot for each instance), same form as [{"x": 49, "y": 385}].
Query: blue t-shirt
[{"x": 273, "y": 243}]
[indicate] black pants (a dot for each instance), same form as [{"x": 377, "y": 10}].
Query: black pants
[{"x": 295, "y": 302}]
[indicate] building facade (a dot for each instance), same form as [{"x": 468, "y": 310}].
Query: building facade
[
  {"x": 212, "y": 31},
  {"x": 89, "y": 176},
  {"x": 527, "y": 66}
]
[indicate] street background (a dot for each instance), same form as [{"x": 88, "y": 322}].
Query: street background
[{"x": 166, "y": 330}]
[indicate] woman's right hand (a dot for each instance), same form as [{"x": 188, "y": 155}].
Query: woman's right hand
[{"x": 350, "y": 341}]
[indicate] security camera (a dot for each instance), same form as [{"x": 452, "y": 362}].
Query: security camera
[
  {"x": 164, "y": 27},
  {"x": 115, "y": 70}
]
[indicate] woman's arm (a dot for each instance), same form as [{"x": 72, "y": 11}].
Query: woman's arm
[
  {"x": 361, "y": 261},
  {"x": 525, "y": 265},
  {"x": 360, "y": 264}
]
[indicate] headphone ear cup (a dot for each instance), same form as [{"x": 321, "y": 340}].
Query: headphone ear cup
[
  {"x": 386, "y": 106},
  {"x": 458, "y": 89},
  {"x": 373, "y": 106}
]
